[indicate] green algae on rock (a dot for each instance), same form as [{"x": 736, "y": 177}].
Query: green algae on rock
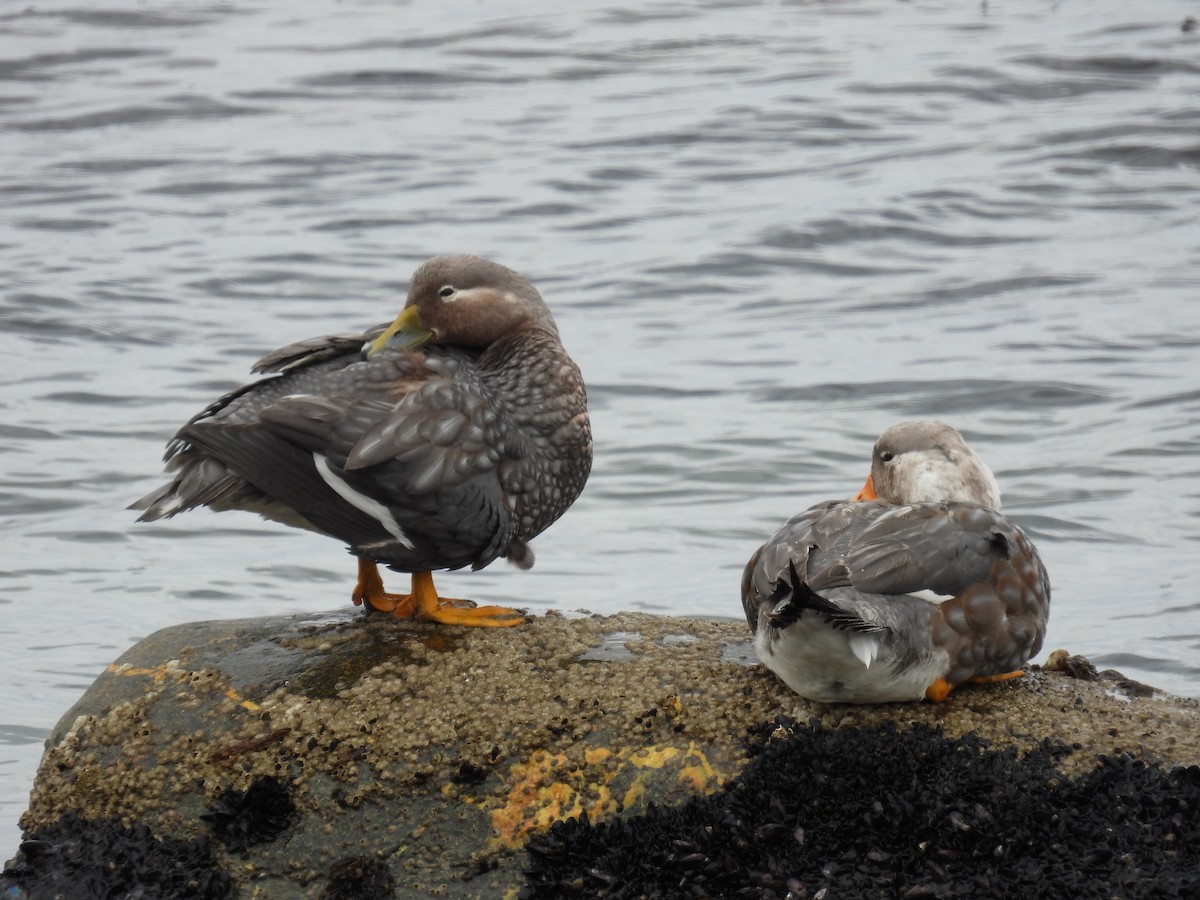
[{"x": 438, "y": 753}]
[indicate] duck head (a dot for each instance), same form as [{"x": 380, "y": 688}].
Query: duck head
[
  {"x": 928, "y": 461},
  {"x": 465, "y": 301}
]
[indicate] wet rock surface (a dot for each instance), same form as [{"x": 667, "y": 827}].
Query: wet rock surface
[{"x": 351, "y": 755}]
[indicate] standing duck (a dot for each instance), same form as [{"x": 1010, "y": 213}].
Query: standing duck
[
  {"x": 836, "y": 599},
  {"x": 449, "y": 438}
]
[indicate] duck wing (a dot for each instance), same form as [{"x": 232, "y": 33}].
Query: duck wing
[
  {"x": 879, "y": 550},
  {"x": 938, "y": 547},
  {"x": 813, "y": 543},
  {"x": 318, "y": 349},
  {"x": 994, "y": 619},
  {"x": 401, "y": 458},
  {"x": 201, "y": 479}
]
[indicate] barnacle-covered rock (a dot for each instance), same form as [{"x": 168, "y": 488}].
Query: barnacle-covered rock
[{"x": 446, "y": 760}]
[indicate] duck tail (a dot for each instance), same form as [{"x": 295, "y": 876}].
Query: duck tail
[{"x": 792, "y": 595}]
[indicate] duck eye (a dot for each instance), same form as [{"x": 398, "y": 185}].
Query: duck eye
[
  {"x": 446, "y": 292},
  {"x": 887, "y": 456}
]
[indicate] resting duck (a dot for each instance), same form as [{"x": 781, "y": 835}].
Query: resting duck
[
  {"x": 832, "y": 598},
  {"x": 449, "y": 438}
]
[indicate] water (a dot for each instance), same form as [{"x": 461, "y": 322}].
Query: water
[{"x": 768, "y": 232}]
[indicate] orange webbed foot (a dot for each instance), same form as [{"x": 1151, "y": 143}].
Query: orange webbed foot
[
  {"x": 424, "y": 603},
  {"x": 991, "y": 679},
  {"x": 480, "y": 616},
  {"x": 939, "y": 690},
  {"x": 432, "y": 608}
]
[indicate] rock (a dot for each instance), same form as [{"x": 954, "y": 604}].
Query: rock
[{"x": 351, "y": 755}]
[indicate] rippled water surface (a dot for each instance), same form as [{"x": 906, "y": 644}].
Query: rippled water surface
[{"x": 768, "y": 231}]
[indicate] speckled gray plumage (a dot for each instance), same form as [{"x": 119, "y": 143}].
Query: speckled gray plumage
[
  {"x": 473, "y": 444},
  {"x": 864, "y": 561}
]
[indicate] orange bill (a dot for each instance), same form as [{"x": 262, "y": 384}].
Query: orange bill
[{"x": 867, "y": 492}]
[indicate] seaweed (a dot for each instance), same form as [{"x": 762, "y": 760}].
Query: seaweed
[
  {"x": 260, "y": 813},
  {"x": 84, "y": 859},
  {"x": 359, "y": 878},
  {"x": 884, "y": 812}
]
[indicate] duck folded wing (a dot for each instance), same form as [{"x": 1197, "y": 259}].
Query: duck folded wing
[
  {"x": 407, "y": 500},
  {"x": 939, "y": 547},
  {"x": 317, "y": 349},
  {"x": 815, "y": 542},
  {"x": 880, "y": 549},
  {"x": 443, "y": 433},
  {"x": 287, "y": 473}
]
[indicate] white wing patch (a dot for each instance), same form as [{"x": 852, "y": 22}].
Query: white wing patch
[
  {"x": 361, "y": 501},
  {"x": 932, "y": 597},
  {"x": 865, "y": 647}
]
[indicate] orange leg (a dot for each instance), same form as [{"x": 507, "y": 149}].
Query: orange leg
[
  {"x": 424, "y": 604},
  {"x": 940, "y": 689},
  {"x": 370, "y": 589}
]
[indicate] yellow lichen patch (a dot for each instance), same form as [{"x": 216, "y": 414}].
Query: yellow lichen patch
[
  {"x": 536, "y": 798},
  {"x": 703, "y": 778},
  {"x": 634, "y": 796},
  {"x": 549, "y": 788},
  {"x": 597, "y": 755},
  {"x": 652, "y": 757}
]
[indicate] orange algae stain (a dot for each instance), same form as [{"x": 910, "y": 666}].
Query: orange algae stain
[
  {"x": 161, "y": 672},
  {"x": 548, "y": 788},
  {"x": 242, "y": 701},
  {"x": 536, "y": 797},
  {"x": 157, "y": 674}
]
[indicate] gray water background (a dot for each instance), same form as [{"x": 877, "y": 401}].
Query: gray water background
[{"x": 768, "y": 231}]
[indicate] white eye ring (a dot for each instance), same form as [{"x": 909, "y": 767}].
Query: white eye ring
[
  {"x": 887, "y": 456},
  {"x": 447, "y": 291}
]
